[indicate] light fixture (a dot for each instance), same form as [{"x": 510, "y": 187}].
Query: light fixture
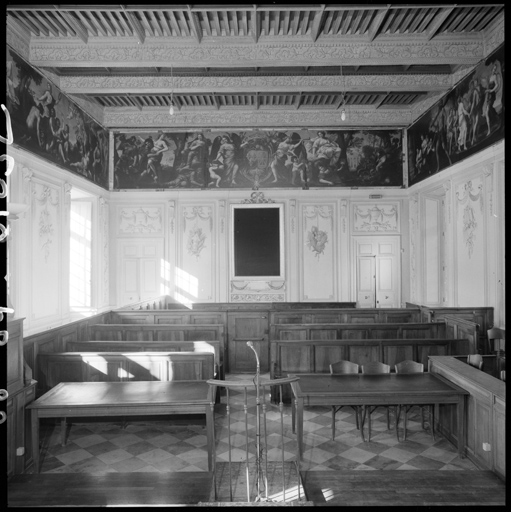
[
  {"x": 171, "y": 108},
  {"x": 343, "y": 100}
]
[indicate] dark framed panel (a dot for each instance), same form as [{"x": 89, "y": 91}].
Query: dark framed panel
[{"x": 257, "y": 241}]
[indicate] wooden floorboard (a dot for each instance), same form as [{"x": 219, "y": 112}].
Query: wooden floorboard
[
  {"x": 111, "y": 489},
  {"x": 403, "y": 488}
]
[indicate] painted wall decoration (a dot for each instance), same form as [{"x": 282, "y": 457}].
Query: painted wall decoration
[
  {"x": 465, "y": 121},
  {"x": 47, "y": 123},
  {"x": 258, "y": 159}
]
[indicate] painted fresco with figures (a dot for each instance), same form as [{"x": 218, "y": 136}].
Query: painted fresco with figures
[
  {"x": 465, "y": 121},
  {"x": 258, "y": 158},
  {"x": 47, "y": 123}
]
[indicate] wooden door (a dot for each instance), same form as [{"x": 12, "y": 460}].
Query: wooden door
[
  {"x": 243, "y": 327},
  {"x": 377, "y": 271},
  {"x": 139, "y": 270}
]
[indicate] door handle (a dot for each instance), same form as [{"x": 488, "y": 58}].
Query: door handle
[
  {"x": 386, "y": 296},
  {"x": 366, "y": 297}
]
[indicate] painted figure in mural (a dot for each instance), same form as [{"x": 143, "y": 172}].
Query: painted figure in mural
[
  {"x": 438, "y": 131},
  {"x": 476, "y": 109},
  {"x": 195, "y": 153},
  {"x": 281, "y": 165},
  {"x": 323, "y": 147},
  {"x": 451, "y": 128},
  {"x": 298, "y": 169},
  {"x": 225, "y": 160},
  {"x": 493, "y": 99},
  {"x": 40, "y": 115},
  {"x": 154, "y": 157},
  {"x": 462, "y": 122}
]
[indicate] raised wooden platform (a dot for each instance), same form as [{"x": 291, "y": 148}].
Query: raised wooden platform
[
  {"x": 403, "y": 488},
  {"x": 111, "y": 489}
]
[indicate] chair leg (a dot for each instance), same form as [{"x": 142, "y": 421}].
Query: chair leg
[
  {"x": 397, "y": 413},
  {"x": 362, "y": 420},
  {"x": 355, "y": 408},
  {"x": 369, "y": 425},
  {"x": 432, "y": 420},
  {"x": 405, "y": 423},
  {"x": 333, "y": 422}
]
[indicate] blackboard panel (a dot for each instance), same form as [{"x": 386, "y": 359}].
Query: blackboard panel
[{"x": 256, "y": 242}]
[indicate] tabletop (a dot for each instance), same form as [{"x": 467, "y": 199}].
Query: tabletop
[
  {"x": 360, "y": 384},
  {"x": 75, "y": 394}
]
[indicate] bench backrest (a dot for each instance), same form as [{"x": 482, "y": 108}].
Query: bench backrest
[
  {"x": 357, "y": 331},
  {"x": 53, "y": 368},
  {"x": 315, "y": 356},
  {"x": 212, "y": 346},
  {"x": 345, "y": 316}
]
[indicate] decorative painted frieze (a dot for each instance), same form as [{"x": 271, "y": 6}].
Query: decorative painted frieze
[
  {"x": 374, "y": 218},
  {"x": 140, "y": 220}
]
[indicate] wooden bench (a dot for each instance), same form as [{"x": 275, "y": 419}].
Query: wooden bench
[
  {"x": 168, "y": 317},
  {"x": 483, "y": 316},
  {"x": 54, "y": 368},
  {"x": 315, "y": 356},
  {"x": 460, "y": 328},
  {"x": 357, "y": 331},
  {"x": 160, "y": 332},
  {"x": 345, "y": 316},
  {"x": 212, "y": 346}
]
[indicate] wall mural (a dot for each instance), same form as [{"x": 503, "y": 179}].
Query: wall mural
[
  {"x": 466, "y": 120},
  {"x": 258, "y": 158},
  {"x": 45, "y": 122}
]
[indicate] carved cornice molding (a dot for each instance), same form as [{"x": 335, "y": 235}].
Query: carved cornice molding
[
  {"x": 394, "y": 51},
  {"x": 18, "y": 38},
  {"x": 93, "y": 110},
  {"x": 494, "y": 36},
  {"x": 196, "y": 84},
  {"x": 253, "y": 118}
]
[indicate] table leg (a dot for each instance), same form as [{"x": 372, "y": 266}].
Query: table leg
[
  {"x": 35, "y": 439},
  {"x": 299, "y": 421},
  {"x": 461, "y": 426},
  {"x": 293, "y": 415},
  {"x": 210, "y": 435},
  {"x": 63, "y": 431}
]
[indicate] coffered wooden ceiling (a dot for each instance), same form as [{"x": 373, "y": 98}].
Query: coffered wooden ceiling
[{"x": 256, "y": 64}]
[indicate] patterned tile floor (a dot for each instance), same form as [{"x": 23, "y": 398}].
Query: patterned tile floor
[{"x": 99, "y": 447}]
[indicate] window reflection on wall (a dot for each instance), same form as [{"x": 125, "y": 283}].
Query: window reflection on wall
[{"x": 80, "y": 264}]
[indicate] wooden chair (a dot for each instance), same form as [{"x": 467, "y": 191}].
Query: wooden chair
[
  {"x": 344, "y": 367},
  {"x": 475, "y": 360},
  {"x": 375, "y": 368},
  {"x": 413, "y": 367}
]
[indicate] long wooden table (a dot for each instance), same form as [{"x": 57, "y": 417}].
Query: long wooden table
[
  {"x": 90, "y": 399},
  {"x": 388, "y": 389}
]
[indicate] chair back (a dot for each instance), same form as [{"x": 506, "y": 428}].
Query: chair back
[
  {"x": 409, "y": 366},
  {"x": 344, "y": 367},
  {"x": 503, "y": 375},
  {"x": 375, "y": 367},
  {"x": 475, "y": 360},
  {"x": 494, "y": 334}
]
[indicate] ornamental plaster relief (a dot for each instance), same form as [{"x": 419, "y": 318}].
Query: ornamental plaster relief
[
  {"x": 377, "y": 218},
  {"x": 252, "y": 118},
  {"x": 192, "y": 84},
  {"x": 198, "y": 55},
  {"x": 140, "y": 220}
]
